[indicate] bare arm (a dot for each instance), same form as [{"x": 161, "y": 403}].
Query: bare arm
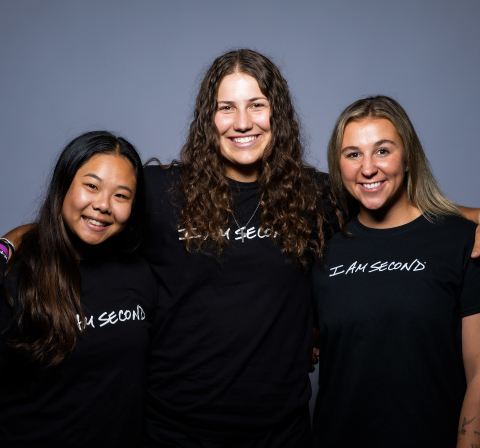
[
  {"x": 15, "y": 235},
  {"x": 473, "y": 214},
  {"x": 469, "y": 425}
]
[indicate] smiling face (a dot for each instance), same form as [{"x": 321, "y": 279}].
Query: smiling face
[
  {"x": 243, "y": 122},
  {"x": 99, "y": 201},
  {"x": 372, "y": 164}
]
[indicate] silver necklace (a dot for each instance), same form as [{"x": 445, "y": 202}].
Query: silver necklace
[{"x": 242, "y": 229}]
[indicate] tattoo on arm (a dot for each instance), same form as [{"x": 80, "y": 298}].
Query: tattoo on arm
[{"x": 462, "y": 430}]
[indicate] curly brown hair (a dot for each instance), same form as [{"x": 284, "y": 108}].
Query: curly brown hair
[{"x": 292, "y": 195}]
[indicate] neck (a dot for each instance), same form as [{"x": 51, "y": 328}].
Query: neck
[
  {"x": 243, "y": 173},
  {"x": 396, "y": 215},
  {"x": 84, "y": 251}
]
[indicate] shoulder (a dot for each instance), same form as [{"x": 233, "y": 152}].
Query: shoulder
[
  {"x": 160, "y": 180},
  {"x": 167, "y": 176},
  {"x": 457, "y": 222},
  {"x": 320, "y": 178},
  {"x": 456, "y": 226},
  {"x": 11, "y": 278}
]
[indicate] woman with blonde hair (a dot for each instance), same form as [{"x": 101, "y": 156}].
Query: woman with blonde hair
[{"x": 398, "y": 300}]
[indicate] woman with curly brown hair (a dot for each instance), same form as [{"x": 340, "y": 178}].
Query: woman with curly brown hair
[{"x": 232, "y": 230}]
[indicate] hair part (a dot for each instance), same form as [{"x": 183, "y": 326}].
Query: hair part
[
  {"x": 47, "y": 314},
  {"x": 422, "y": 188},
  {"x": 290, "y": 194}
]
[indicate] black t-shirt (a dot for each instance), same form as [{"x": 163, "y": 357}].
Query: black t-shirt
[
  {"x": 389, "y": 308},
  {"x": 233, "y": 338},
  {"x": 94, "y": 397}
]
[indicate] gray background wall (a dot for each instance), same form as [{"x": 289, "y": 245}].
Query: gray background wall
[{"x": 133, "y": 67}]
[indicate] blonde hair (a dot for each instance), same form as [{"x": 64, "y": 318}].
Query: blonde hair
[{"x": 422, "y": 188}]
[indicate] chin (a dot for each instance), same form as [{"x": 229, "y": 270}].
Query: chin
[{"x": 372, "y": 205}]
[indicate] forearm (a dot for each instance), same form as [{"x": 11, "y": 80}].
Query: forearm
[
  {"x": 15, "y": 235},
  {"x": 469, "y": 424}
]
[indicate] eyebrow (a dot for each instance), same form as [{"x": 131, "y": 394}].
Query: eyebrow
[
  {"x": 382, "y": 142},
  {"x": 379, "y": 143},
  {"x": 122, "y": 187},
  {"x": 251, "y": 100}
]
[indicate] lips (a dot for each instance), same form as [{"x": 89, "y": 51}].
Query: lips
[
  {"x": 244, "y": 141},
  {"x": 371, "y": 186},
  {"x": 95, "y": 222}
]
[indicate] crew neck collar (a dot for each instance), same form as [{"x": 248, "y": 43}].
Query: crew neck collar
[
  {"x": 358, "y": 226},
  {"x": 237, "y": 185}
]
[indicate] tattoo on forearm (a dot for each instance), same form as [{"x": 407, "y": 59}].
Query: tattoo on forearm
[{"x": 465, "y": 422}]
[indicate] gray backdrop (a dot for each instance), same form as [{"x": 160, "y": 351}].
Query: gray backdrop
[{"x": 133, "y": 67}]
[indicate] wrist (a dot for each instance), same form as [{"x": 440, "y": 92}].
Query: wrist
[{"x": 7, "y": 248}]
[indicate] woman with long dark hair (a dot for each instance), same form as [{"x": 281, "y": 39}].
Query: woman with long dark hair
[
  {"x": 398, "y": 300},
  {"x": 232, "y": 230},
  {"x": 77, "y": 305}
]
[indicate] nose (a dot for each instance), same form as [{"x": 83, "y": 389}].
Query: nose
[
  {"x": 369, "y": 168},
  {"x": 102, "y": 203},
  {"x": 243, "y": 121}
]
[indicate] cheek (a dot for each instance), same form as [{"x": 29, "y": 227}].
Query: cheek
[
  {"x": 394, "y": 167},
  {"x": 122, "y": 214},
  {"x": 347, "y": 172},
  {"x": 263, "y": 122},
  {"x": 222, "y": 122},
  {"x": 73, "y": 204}
]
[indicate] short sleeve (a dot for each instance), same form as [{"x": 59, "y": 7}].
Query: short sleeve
[{"x": 470, "y": 296}]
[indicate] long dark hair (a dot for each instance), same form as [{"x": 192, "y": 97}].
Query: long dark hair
[
  {"x": 291, "y": 198},
  {"x": 44, "y": 326}
]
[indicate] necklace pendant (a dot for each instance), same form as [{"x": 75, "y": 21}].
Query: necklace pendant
[{"x": 243, "y": 234}]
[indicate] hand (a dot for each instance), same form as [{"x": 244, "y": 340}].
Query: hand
[
  {"x": 473, "y": 214},
  {"x": 314, "y": 360},
  {"x": 476, "y": 247},
  {"x": 316, "y": 350}
]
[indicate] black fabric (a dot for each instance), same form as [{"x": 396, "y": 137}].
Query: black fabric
[
  {"x": 233, "y": 338},
  {"x": 295, "y": 432},
  {"x": 94, "y": 397},
  {"x": 389, "y": 305}
]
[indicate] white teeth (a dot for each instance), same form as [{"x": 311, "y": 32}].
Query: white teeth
[
  {"x": 244, "y": 139},
  {"x": 374, "y": 185},
  {"x": 95, "y": 223}
]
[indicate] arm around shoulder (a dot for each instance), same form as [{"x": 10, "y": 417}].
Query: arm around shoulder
[
  {"x": 15, "y": 235},
  {"x": 473, "y": 214}
]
